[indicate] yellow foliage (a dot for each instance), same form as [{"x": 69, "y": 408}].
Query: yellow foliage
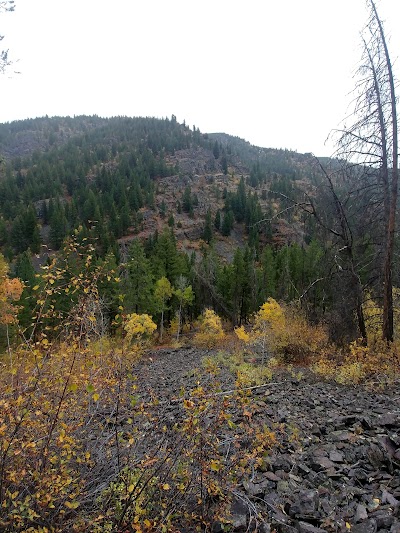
[
  {"x": 299, "y": 340},
  {"x": 270, "y": 316},
  {"x": 284, "y": 331},
  {"x": 378, "y": 362},
  {"x": 249, "y": 375},
  {"x": 139, "y": 327},
  {"x": 210, "y": 332},
  {"x": 373, "y": 318},
  {"x": 242, "y": 334},
  {"x": 324, "y": 367},
  {"x": 351, "y": 373},
  {"x": 173, "y": 326},
  {"x": 10, "y": 291}
]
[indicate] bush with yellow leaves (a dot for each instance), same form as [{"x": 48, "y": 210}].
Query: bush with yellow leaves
[
  {"x": 284, "y": 331},
  {"x": 300, "y": 341},
  {"x": 210, "y": 332},
  {"x": 139, "y": 328},
  {"x": 377, "y": 363}
]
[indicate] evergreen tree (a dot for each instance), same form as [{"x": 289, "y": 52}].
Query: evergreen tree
[
  {"x": 217, "y": 220},
  {"x": 207, "y": 230},
  {"x": 139, "y": 284},
  {"x": 171, "y": 221},
  {"x": 227, "y": 224},
  {"x": 166, "y": 260},
  {"x": 187, "y": 203},
  {"x": 224, "y": 164},
  {"x": 216, "y": 150},
  {"x": 268, "y": 262},
  {"x": 58, "y": 227},
  {"x": 25, "y": 271}
]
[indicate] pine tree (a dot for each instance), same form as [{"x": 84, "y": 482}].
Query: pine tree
[
  {"x": 227, "y": 223},
  {"x": 207, "y": 230},
  {"x": 187, "y": 203},
  {"x": 216, "y": 151},
  {"x": 139, "y": 284},
  {"x": 58, "y": 227},
  {"x": 217, "y": 220}
]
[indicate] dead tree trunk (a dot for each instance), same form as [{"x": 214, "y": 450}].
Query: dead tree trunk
[{"x": 372, "y": 142}]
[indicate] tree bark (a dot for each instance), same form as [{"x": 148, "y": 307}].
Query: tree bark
[{"x": 388, "y": 322}]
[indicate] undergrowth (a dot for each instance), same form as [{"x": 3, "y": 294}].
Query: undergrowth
[
  {"x": 81, "y": 450},
  {"x": 376, "y": 365}
]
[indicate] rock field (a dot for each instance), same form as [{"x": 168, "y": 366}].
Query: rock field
[{"x": 337, "y": 466}]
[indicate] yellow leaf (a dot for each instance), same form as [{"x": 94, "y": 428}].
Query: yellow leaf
[
  {"x": 35, "y": 288},
  {"x": 215, "y": 466},
  {"x": 130, "y": 488},
  {"x": 95, "y": 397},
  {"x": 166, "y": 486},
  {"x": 72, "y": 505}
]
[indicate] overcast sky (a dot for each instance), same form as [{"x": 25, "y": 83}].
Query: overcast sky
[{"x": 275, "y": 72}]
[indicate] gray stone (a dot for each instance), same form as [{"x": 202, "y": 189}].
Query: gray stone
[
  {"x": 389, "y": 498},
  {"x": 336, "y": 456},
  {"x": 341, "y": 436},
  {"x": 282, "y": 486},
  {"x": 368, "y": 526},
  {"x": 361, "y": 513},
  {"x": 383, "y": 518},
  {"x": 238, "y": 514},
  {"x": 304, "y": 527},
  {"x": 395, "y": 527},
  {"x": 306, "y": 503}
]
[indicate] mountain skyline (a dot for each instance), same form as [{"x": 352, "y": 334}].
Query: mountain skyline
[{"x": 276, "y": 75}]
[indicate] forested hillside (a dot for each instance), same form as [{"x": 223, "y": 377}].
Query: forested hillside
[
  {"x": 157, "y": 199},
  {"x": 261, "y": 267}
]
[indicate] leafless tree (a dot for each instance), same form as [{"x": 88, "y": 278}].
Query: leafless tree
[{"x": 371, "y": 141}]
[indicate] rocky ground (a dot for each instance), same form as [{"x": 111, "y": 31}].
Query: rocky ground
[{"x": 337, "y": 466}]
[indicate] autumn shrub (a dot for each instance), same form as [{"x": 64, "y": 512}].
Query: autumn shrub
[
  {"x": 46, "y": 449},
  {"x": 139, "y": 330},
  {"x": 187, "y": 476},
  {"x": 285, "y": 332},
  {"x": 300, "y": 341},
  {"x": 80, "y": 448},
  {"x": 210, "y": 332},
  {"x": 324, "y": 367},
  {"x": 376, "y": 362},
  {"x": 373, "y": 318},
  {"x": 246, "y": 372}
]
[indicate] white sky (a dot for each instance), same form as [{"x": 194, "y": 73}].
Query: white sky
[{"x": 275, "y": 72}]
